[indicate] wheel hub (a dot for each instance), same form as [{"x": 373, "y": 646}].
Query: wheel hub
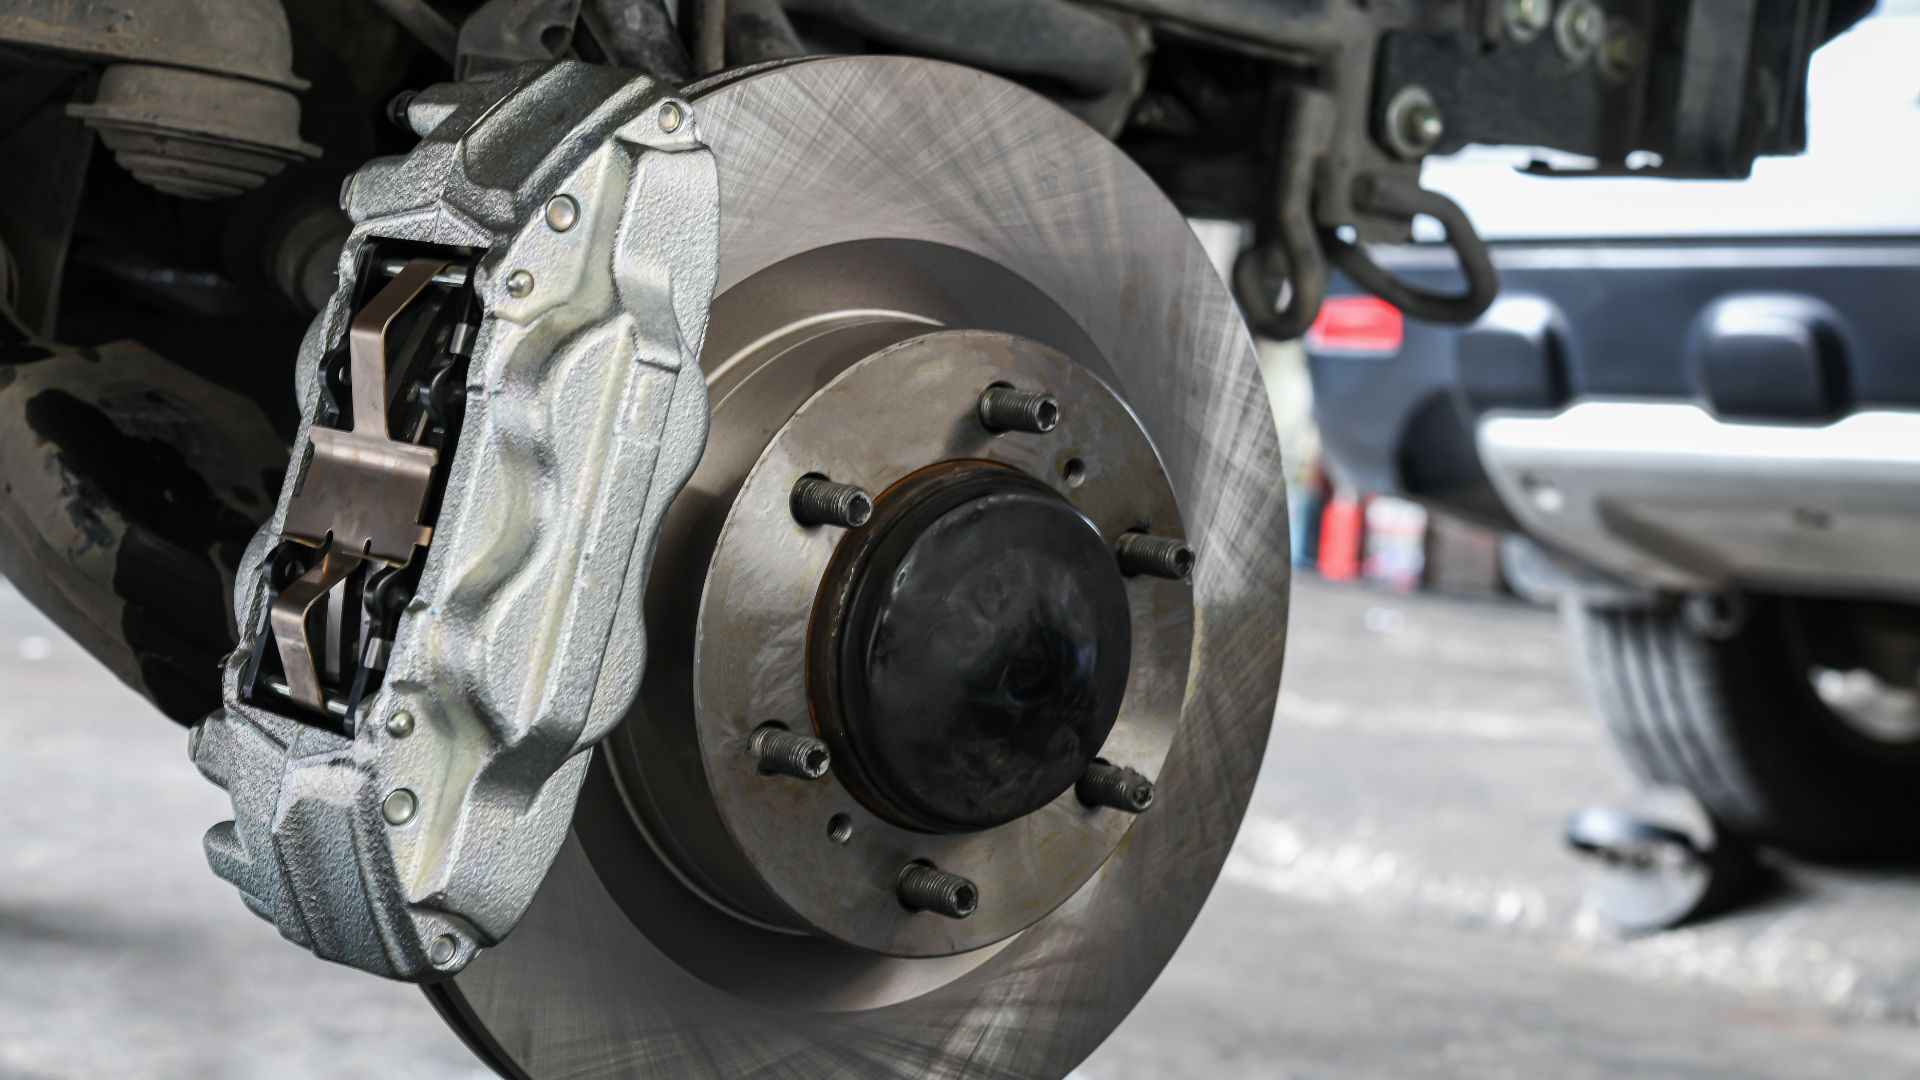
[
  {"x": 881, "y": 640},
  {"x": 969, "y": 650}
]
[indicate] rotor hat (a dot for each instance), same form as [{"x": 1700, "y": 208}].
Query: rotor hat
[{"x": 984, "y": 651}]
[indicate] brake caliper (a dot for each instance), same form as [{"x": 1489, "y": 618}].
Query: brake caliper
[{"x": 443, "y": 616}]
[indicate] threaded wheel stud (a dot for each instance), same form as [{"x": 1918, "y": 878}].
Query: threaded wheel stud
[
  {"x": 923, "y": 888},
  {"x": 1115, "y": 788},
  {"x": 783, "y": 753},
  {"x": 819, "y": 501},
  {"x": 1002, "y": 408},
  {"x": 1153, "y": 556}
]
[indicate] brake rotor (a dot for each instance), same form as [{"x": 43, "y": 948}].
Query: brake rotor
[{"x": 898, "y": 236}]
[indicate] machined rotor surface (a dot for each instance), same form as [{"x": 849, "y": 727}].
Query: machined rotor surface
[{"x": 864, "y": 202}]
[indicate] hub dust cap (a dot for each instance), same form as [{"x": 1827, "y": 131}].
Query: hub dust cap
[
  {"x": 986, "y": 555},
  {"x": 972, "y": 648}
]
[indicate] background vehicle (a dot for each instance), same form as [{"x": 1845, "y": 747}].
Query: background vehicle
[{"x": 1700, "y": 403}]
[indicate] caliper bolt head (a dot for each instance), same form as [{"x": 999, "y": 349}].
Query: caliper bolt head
[
  {"x": 1153, "y": 556},
  {"x": 562, "y": 212},
  {"x": 784, "y": 753},
  {"x": 1115, "y": 787},
  {"x": 819, "y": 501},
  {"x": 400, "y": 724},
  {"x": 923, "y": 888},
  {"x": 399, "y": 806},
  {"x": 1002, "y": 408}
]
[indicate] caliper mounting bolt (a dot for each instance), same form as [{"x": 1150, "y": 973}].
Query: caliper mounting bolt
[
  {"x": 1002, "y": 408},
  {"x": 784, "y": 753},
  {"x": 819, "y": 501},
  {"x": 1153, "y": 556},
  {"x": 1114, "y": 787},
  {"x": 922, "y": 888}
]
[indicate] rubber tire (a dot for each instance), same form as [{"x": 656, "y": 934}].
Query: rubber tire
[{"x": 1736, "y": 723}]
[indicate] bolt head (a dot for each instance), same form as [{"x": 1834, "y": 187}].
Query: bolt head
[
  {"x": 519, "y": 283},
  {"x": 1414, "y": 123},
  {"x": 1425, "y": 125},
  {"x": 399, "y": 806},
  {"x": 562, "y": 212},
  {"x": 442, "y": 952},
  {"x": 671, "y": 117},
  {"x": 400, "y": 724},
  {"x": 1545, "y": 495},
  {"x": 1578, "y": 29},
  {"x": 1526, "y": 18}
]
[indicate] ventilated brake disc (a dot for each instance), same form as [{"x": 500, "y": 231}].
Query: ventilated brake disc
[{"x": 896, "y": 237}]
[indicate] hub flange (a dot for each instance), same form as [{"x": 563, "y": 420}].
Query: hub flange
[{"x": 783, "y": 598}]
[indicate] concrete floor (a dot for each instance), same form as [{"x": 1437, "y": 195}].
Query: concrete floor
[{"x": 1398, "y": 905}]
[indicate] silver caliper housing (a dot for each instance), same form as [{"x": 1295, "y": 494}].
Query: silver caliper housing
[{"x": 588, "y": 211}]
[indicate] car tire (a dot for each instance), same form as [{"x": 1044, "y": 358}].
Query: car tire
[{"x": 1729, "y": 713}]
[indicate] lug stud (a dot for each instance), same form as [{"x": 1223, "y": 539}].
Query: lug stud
[
  {"x": 781, "y": 752},
  {"x": 1002, "y": 408},
  {"x": 819, "y": 501},
  {"x": 1153, "y": 556},
  {"x": 1114, "y": 787},
  {"x": 923, "y": 888}
]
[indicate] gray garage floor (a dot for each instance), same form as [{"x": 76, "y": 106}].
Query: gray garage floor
[{"x": 1397, "y": 907}]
